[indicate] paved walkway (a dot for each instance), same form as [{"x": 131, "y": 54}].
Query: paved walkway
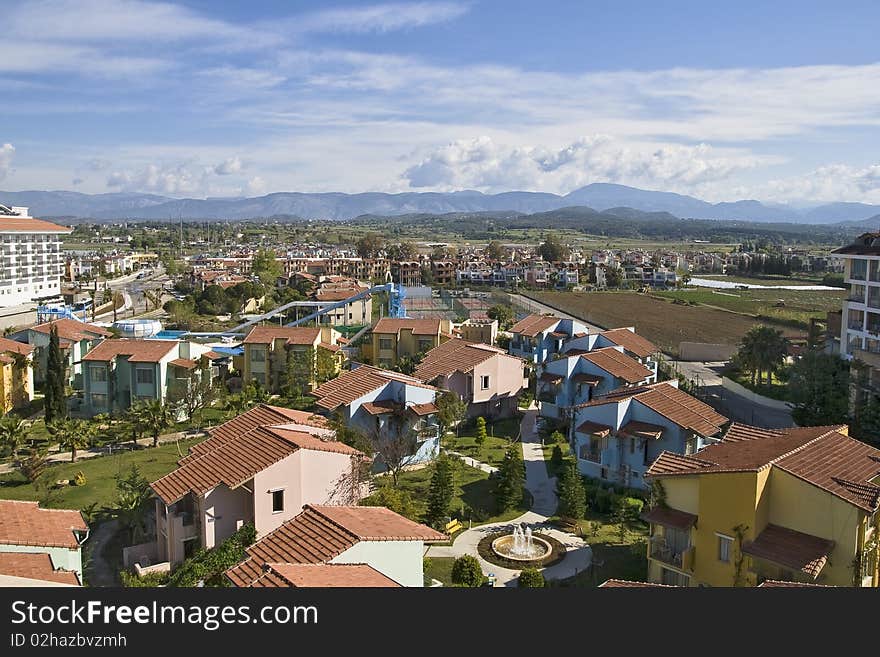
[
  {"x": 474, "y": 463},
  {"x": 543, "y": 489}
]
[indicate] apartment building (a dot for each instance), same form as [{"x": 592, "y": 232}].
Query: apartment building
[
  {"x": 484, "y": 331},
  {"x": 268, "y": 351},
  {"x": 407, "y": 272},
  {"x": 261, "y": 467},
  {"x": 443, "y": 272},
  {"x": 617, "y": 436},
  {"x": 119, "y": 373},
  {"x": 797, "y": 505},
  {"x": 486, "y": 378},
  {"x": 634, "y": 345},
  {"x": 30, "y": 257},
  {"x": 393, "y": 339},
  {"x": 75, "y": 339},
  {"x": 16, "y": 374},
  {"x": 385, "y": 405},
  {"x": 537, "y": 338}
]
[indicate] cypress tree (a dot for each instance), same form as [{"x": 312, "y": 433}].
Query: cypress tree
[
  {"x": 441, "y": 491},
  {"x": 511, "y": 478},
  {"x": 572, "y": 496},
  {"x": 55, "y": 402}
]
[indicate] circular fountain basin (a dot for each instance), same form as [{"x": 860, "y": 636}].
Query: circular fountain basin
[{"x": 503, "y": 546}]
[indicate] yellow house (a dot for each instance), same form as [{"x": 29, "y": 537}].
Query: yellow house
[
  {"x": 267, "y": 350},
  {"x": 796, "y": 505},
  {"x": 393, "y": 339},
  {"x": 16, "y": 374}
]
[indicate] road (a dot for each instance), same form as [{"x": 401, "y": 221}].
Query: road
[
  {"x": 705, "y": 374},
  {"x": 135, "y": 287}
]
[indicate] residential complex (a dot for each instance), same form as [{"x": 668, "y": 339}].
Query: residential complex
[
  {"x": 393, "y": 339},
  {"x": 75, "y": 338},
  {"x": 279, "y": 358},
  {"x": 790, "y": 504},
  {"x": 538, "y": 337},
  {"x": 30, "y": 251}
]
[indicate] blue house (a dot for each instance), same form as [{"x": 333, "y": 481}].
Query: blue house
[
  {"x": 578, "y": 377},
  {"x": 616, "y": 437},
  {"x": 537, "y": 338},
  {"x": 633, "y": 345}
]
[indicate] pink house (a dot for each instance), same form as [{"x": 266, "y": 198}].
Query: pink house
[
  {"x": 487, "y": 378},
  {"x": 261, "y": 467}
]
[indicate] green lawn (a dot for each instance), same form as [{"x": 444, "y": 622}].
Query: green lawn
[
  {"x": 100, "y": 471},
  {"x": 493, "y": 448},
  {"x": 473, "y": 491},
  {"x": 776, "y": 389},
  {"x": 439, "y": 568},
  {"x": 612, "y": 559}
]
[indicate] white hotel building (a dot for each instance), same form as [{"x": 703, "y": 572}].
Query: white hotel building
[{"x": 30, "y": 257}]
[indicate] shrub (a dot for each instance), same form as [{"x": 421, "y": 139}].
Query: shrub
[
  {"x": 79, "y": 479},
  {"x": 399, "y": 501},
  {"x": 556, "y": 458},
  {"x": 572, "y": 498},
  {"x": 558, "y": 437},
  {"x": 209, "y": 566},
  {"x": 632, "y": 507},
  {"x": 466, "y": 572},
  {"x": 530, "y": 578},
  {"x": 481, "y": 431},
  {"x": 602, "y": 501},
  {"x": 131, "y": 580}
]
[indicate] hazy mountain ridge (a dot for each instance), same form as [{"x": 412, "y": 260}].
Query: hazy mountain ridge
[{"x": 340, "y": 206}]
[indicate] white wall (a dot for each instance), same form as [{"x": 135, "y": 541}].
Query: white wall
[{"x": 402, "y": 561}]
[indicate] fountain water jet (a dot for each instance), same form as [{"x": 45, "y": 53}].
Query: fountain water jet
[{"x": 521, "y": 545}]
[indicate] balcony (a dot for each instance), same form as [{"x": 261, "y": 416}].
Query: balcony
[
  {"x": 678, "y": 557},
  {"x": 548, "y": 395}
]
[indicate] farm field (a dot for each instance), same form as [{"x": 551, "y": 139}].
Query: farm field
[
  {"x": 664, "y": 323},
  {"x": 785, "y": 306},
  {"x": 765, "y": 280}
]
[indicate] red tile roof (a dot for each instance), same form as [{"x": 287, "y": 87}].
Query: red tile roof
[
  {"x": 73, "y": 330},
  {"x": 550, "y": 377},
  {"x": 138, "y": 351},
  {"x": 30, "y": 225},
  {"x": 34, "y": 565},
  {"x": 25, "y": 523},
  {"x": 185, "y": 363},
  {"x": 354, "y": 384},
  {"x": 589, "y": 379},
  {"x": 622, "y": 583},
  {"x": 641, "y": 429},
  {"x": 774, "y": 583},
  {"x": 533, "y": 324},
  {"x": 594, "y": 428},
  {"x": 631, "y": 341},
  {"x": 821, "y": 456},
  {"x": 792, "y": 549},
  {"x": 661, "y": 515},
  {"x": 456, "y": 356},
  {"x": 292, "y": 334},
  {"x": 320, "y": 533},
  {"x": 323, "y": 575},
  {"x": 22, "y": 348},
  {"x": 417, "y": 326},
  {"x": 618, "y": 364}
]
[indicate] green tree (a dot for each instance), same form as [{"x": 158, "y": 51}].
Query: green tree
[
  {"x": 72, "y": 434},
  {"x": 133, "y": 494},
  {"x": 481, "y": 431},
  {"x": 818, "y": 385},
  {"x": 552, "y": 250},
  {"x": 511, "y": 477},
  {"x": 572, "y": 495},
  {"x": 158, "y": 417},
  {"x": 370, "y": 245},
  {"x": 495, "y": 250},
  {"x": 530, "y": 578},
  {"x": 325, "y": 365},
  {"x": 266, "y": 268},
  {"x": 56, "y": 379},
  {"x": 300, "y": 371},
  {"x": 502, "y": 312},
  {"x": 195, "y": 393},
  {"x": 762, "y": 350},
  {"x": 466, "y": 572},
  {"x": 451, "y": 410},
  {"x": 14, "y": 432},
  {"x": 441, "y": 490},
  {"x": 399, "y": 501}
]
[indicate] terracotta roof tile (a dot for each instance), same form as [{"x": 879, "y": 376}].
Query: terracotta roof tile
[
  {"x": 533, "y": 324},
  {"x": 417, "y": 326},
  {"x": 456, "y": 356},
  {"x": 594, "y": 428},
  {"x": 631, "y": 341},
  {"x": 73, "y": 330},
  {"x": 667, "y": 517},
  {"x": 792, "y": 549},
  {"x": 22, "y": 348},
  {"x": 302, "y": 335},
  {"x": 25, "y": 523},
  {"x": 34, "y": 565},
  {"x": 323, "y": 575},
  {"x": 777, "y": 584},
  {"x": 679, "y": 407},
  {"x": 588, "y": 379},
  {"x": 550, "y": 377},
  {"x": 622, "y": 583},
  {"x": 354, "y": 384},
  {"x": 424, "y": 409},
  {"x": 641, "y": 429},
  {"x": 185, "y": 363},
  {"x": 320, "y": 533},
  {"x": 382, "y": 407},
  {"x": 618, "y": 364},
  {"x": 30, "y": 225},
  {"x": 138, "y": 351}
]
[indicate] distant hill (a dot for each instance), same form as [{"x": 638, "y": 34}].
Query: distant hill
[{"x": 339, "y": 206}]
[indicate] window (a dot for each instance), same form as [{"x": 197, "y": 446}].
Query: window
[
  {"x": 99, "y": 400},
  {"x": 724, "y": 544},
  {"x": 425, "y": 345},
  {"x": 98, "y": 373},
  {"x": 258, "y": 355},
  {"x": 143, "y": 375},
  {"x": 277, "y": 501},
  {"x": 484, "y": 382},
  {"x": 632, "y": 445},
  {"x": 385, "y": 343}
]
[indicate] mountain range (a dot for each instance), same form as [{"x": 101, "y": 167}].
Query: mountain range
[{"x": 339, "y": 206}]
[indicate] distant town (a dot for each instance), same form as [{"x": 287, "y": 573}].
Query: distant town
[{"x": 305, "y": 403}]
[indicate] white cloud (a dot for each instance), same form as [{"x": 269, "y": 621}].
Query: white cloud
[
  {"x": 181, "y": 178},
  {"x": 486, "y": 165},
  {"x": 380, "y": 18},
  {"x": 228, "y": 167},
  {"x": 832, "y": 182},
  {"x": 256, "y": 186},
  {"x": 7, "y": 151}
]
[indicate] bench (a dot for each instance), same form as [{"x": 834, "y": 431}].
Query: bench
[{"x": 453, "y": 526}]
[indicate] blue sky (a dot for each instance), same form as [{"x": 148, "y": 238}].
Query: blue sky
[{"x": 777, "y": 101}]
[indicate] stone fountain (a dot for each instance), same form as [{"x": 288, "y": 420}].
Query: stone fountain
[{"x": 521, "y": 545}]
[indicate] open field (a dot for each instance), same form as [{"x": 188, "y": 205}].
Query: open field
[
  {"x": 785, "y": 306},
  {"x": 99, "y": 471},
  {"x": 803, "y": 279},
  {"x": 664, "y": 323}
]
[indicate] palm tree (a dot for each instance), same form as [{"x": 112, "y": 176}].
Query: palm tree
[
  {"x": 14, "y": 433},
  {"x": 763, "y": 349},
  {"x": 118, "y": 300},
  {"x": 158, "y": 416},
  {"x": 72, "y": 434}
]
